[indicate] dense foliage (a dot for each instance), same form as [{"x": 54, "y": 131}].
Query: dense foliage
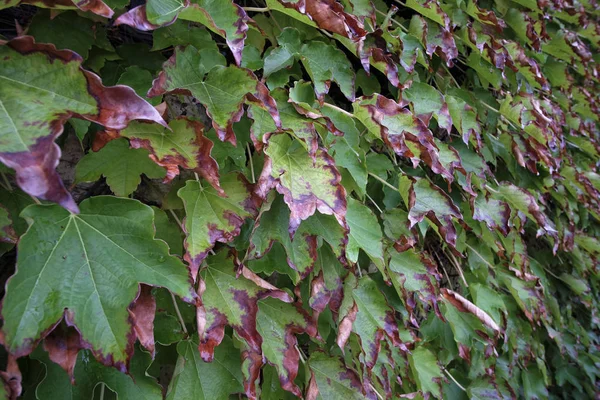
[{"x": 339, "y": 200}]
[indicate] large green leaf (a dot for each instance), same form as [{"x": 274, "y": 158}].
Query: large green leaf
[
  {"x": 330, "y": 379},
  {"x": 87, "y": 269},
  {"x": 365, "y": 233}
]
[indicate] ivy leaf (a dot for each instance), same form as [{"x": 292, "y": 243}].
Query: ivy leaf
[
  {"x": 223, "y": 92},
  {"x": 464, "y": 118},
  {"x": 330, "y": 379},
  {"x": 278, "y": 323},
  {"x": 139, "y": 80},
  {"x": 196, "y": 379},
  {"x": 31, "y": 101},
  {"x": 494, "y": 213},
  {"x": 182, "y": 33},
  {"x": 365, "y": 233},
  {"x": 182, "y": 145},
  {"x": 415, "y": 275},
  {"x": 301, "y": 250},
  {"x": 69, "y": 31},
  {"x": 325, "y": 63},
  {"x": 371, "y": 318},
  {"x": 226, "y": 19},
  {"x": 229, "y": 293},
  {"x": 427, "y": 101},
  {"x": 426, "y": 371},
  {"x": 306, "y": 186},
  {"x": 87, "y": 268},
  {"x": 120, "y": 165},
  {"x": 424, "y": 199},
  {"x": 326, "y": 286},
  {"x": 210, "y": 217},
  {"x": 406, "y": 134}
]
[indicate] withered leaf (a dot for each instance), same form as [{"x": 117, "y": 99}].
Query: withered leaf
[{"x": 34, "y": 110}]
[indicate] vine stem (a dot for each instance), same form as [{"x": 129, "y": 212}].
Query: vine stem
[
  {"x": 454, "y": 380},
  {"x": 6, "y": 182},
  {"x": 257, "y": 9},
  {"x": 102, "y": 388},
  {"x": 179, "y": 316},
  {"x": 334, "y": 107},
  {"x": 251, "y": 162},
  {"x": 383, "y": 181}
]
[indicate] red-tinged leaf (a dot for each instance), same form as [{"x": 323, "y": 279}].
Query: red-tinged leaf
[
  {"x": 424, "y": 199},
  {"x": 407, "y": 135},
  {"x": 138, "y": 18},
  {"x": 464, "y": 305},
  {"x": 306, "y": 185},
  {"x": 229, "y": 299},
  {"x": 29, "y": 146},
  {"x": 223, "y": 91},
  {"x": 63, "y": 345},
  {"x": 210, "y": 217},
  {"x": 278, "y": 323},
  {"x": 494, "y": 213},
  {"x": 372, "y": 319},
  {"x": 435, "y": 38},
  {"x": 142, "y": 313},
  {"x": 225, "y": 18},
  {"x": 522, "y": 200},
  {"x": 331, "y": 379},
  {"x": 183, "y": 145},
  {"x": 415, "y": 275},
  {"x": 12, "y": 378},
  {"x": 329, "y": 15},
  {"x": 97, "y": 7},
  {"x": 326, "y": 288}
]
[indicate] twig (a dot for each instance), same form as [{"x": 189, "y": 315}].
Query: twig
[
  {"x": 178, "y": 314},
  {"x": 251, "y": 162}
]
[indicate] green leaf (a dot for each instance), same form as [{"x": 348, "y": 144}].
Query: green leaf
[
  {"x": 230, "y": 299},
  {"x": 426, "y": 371},
  {"x": 182, "y": 33},
  {"x": 365, "y": 233},
  {"x": 427, "y": 101},
  {"x": 278, "y": 323},
  {"x": 306, "y": 185},
  {"x": 210, "y": 217},
  {"x": 139, "y": 80},
  {"x": 194, "y": 378},
  {"x": 168, "y": 231},
  {"x": 120, "y": 165},
  {"x": 87, "y": 268},
  {"x": 371, "y": 318}
]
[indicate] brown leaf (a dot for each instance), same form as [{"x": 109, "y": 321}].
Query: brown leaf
[
  {"x": 142, "y": 312},
  {"x": 136, "y": 17},
  {"x": 465, "y": 305},
  {"x": 63, "y": 345},
  {"x": 12, "y": 378}
]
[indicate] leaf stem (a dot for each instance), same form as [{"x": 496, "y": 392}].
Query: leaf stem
[
  {"x": 383, "y": 181},
  {"x": 457, "y": 266},
  {"x": 177, "y": 219},
  {"x": 334, "y": 107},
  {"x": 197, "y": 177},
  {"x": 301, "y": 354},
  {"x": 257, "y": 9},
  {"x": 181, "y": 321},
  {"x": 454, "y": 380},
  {"x": 102, "y": 388},
  {"x": 6, "y": 182},
  {"x": 375, "y": 390},
  {"x": 373, "y": 201},
  {"x": 35, "y": 199},
  {"x": 251, "y": 162},
  {"x": 393, "y": 20},
  {"x": 480, "y": 256}
]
